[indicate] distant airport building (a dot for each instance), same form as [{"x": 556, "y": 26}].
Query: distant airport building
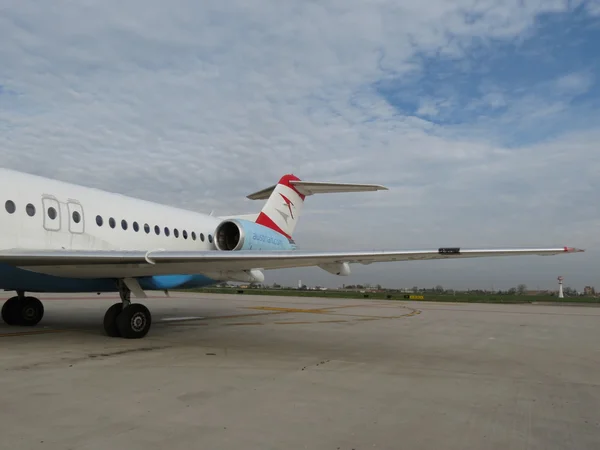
[{"x": 589, "y": 290}]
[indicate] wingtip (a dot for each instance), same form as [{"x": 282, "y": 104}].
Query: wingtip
[{"x": 574, "y": 250}]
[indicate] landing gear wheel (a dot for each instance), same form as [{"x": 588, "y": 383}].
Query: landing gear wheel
[
  {"x": 134, "y": 321},
  {"x": 29, "y": 311},
  {"x": 25, "y": 311},
  {"x": 110, "y": 320},
  {"x": 9, "y": 311}
]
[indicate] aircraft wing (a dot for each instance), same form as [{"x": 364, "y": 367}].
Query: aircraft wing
[{"x": 118, "y": 264}]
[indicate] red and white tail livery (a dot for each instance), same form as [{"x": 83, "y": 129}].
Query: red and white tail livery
[
  {"x": 286, "y": 198},
  {"x": 283, "y": 208}
]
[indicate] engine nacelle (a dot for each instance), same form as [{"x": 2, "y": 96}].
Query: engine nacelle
[
  {"x": 240, "y": 234},
  {"x": 341, "y": 269}
]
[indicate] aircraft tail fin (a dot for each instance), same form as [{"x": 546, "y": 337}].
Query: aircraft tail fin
[{"x": 286, "y": 198}]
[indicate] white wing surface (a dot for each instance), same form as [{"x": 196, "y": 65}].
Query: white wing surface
[{"x": 119, "y": 264}]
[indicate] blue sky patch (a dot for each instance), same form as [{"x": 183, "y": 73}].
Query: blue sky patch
[
  {"x": 5, "y": 91},
  {"x": 524, "y": 90}
]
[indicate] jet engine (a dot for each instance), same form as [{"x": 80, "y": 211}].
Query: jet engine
[{"x": 240, "y": 234}]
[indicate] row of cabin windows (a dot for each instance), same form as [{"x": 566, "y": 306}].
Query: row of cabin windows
[
  {"x": 30, "y": 210},
  {"x": 52, "y": 214},
  {"x": 157, "y": 230}
]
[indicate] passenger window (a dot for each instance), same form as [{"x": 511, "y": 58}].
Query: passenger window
[
  {"x": 52, "y": 213},
  {"x": 176, "y": 232},
  {"x": 76, "y": 217},
  {"x": 193, "y": 235},
  {"x": 202, "y": 237},
  {"x": 167, "y": 232},
  {"x": 185, "y": 235},
  {"x": 210, "y": 238},
  {"x": 157, "y": 229},
  {"x": 147, "y": 228},
  {"x": 99, "y": 221},
  {"x": 124, "y": 224},
  {"x": 10, "y": 206},
  {"x": 136, "y": 227},
  {"x": 30, "y": 210},
  {"x": 112, "y": 222}
]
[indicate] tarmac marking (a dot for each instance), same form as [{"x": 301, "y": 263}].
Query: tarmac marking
[
  {"x": 327, "y": 311},
  {"x": 292, "y": 323},
  {"x": 32, "y": 332},
  {"x": 242, "y": 323},
  {"x": 412, "y": 312},
  {"x": 234, "y": 316},
  {"x": 361, "y": 305},
  {"x": 332, "y": 321},
  {"x": 288, "y": 310},
  {"x": 307, "y": 310}
]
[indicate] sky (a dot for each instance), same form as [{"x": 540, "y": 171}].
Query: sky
[{"x": 480, "y": 116}]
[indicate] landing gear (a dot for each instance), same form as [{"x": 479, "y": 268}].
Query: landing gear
[
  {"x": 22, "y": 310},
  {"x": 123, "y": 319},
  {"x": 134, "y": 321},
  {"x": 110, "y": 320},
  {"x": 126, "y": 319}
]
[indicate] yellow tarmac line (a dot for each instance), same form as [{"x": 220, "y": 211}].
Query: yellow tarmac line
[
  {"x": 234, "y": 316},
  {"x": 332, "y": 321},
  {"x": 291, "y": 323},
  {"x": 330, "y": 312},
  {"x": 367, "y": 316},
  {"x": 288, "y": 310},
  {"x": 304, "y": 310},
  {"x": 365, "y": 305},
  {"x": 312, "y": 310},
  {"x": 242, "y": 323}
]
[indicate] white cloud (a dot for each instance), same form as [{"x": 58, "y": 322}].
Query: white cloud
[
  {"x": 593, "y": 7},
  {"x": 199, "y": 103},
  {"x": 575, "y": 83}
]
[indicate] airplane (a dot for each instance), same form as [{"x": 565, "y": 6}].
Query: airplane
[{"x": 61, "y": 237}]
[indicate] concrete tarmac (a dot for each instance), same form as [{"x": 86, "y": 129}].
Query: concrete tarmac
[{"x": 261, "y": 372}]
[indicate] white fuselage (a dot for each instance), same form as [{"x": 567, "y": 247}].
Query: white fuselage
[{"x": 69, "y": 216}]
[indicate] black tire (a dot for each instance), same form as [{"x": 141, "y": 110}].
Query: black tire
[
  {"x": 9, "y": 311},
  {"x": 110, "y": 320},
  {"x": 29, "y": 311},
  {"x": 134, "y": 322}
]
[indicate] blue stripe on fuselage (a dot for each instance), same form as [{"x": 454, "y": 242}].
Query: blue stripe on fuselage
[
  {"x": 13, "y": 279},
  {"x": 162, "y": 282}
]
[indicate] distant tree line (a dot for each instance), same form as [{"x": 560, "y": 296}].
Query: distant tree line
[{"x": 520, "y": 289}]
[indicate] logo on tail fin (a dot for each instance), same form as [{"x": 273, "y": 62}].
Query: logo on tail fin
[{"x": 289, "y": 205}]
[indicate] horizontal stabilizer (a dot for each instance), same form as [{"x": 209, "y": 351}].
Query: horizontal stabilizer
[
  {"x": 262, "y": 195},
  {"x": 317, "y": 187}
]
